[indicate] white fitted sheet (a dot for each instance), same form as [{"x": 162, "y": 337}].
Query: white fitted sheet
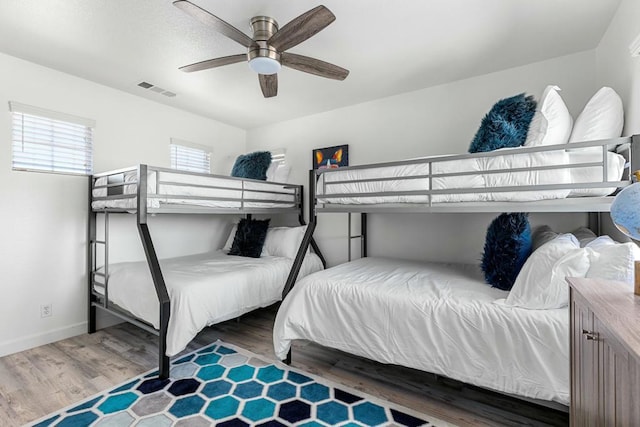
[
  {"x": 204, "y": 289},
  {"x": 478, "y": 179},
  {"x": 439, "y": 318},
  {"x": 195, "y": 185}
]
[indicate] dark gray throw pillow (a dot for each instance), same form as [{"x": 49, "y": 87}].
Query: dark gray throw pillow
[
  {"x": 584, "y": 236},
  {"x": 542, "y": 235}
]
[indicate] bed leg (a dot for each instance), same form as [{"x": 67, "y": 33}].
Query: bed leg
[
  {"x": 164, "y": 367},
  {"x": 287, "y": 360},
  {"x": 92, "y": 319},
  {"x": 162, "y": 341}
]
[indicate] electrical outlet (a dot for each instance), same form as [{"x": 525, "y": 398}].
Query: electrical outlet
[{"x": 46, "y": 310}]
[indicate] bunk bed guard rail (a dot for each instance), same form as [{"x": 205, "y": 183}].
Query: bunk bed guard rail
[{"x": 411, "y": 184}]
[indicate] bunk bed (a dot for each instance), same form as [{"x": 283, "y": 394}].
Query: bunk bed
[
  {"x": 443, "y": 318},
  {"x": 175, "y": 298}
]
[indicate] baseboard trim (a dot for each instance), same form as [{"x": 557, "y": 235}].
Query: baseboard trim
[{"x": 36, "y": 340}]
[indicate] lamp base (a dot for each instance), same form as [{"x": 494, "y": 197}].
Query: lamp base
[{"x": 636, "y": 285}]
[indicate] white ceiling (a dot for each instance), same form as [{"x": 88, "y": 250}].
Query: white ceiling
[{"x": 390, "y": 47}]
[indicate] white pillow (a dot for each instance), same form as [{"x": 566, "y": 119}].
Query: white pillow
[
  {"x": 232, "y": 235},
  {"x": 601, "y": 118},
  {"x": 552, "y": 121},
  {"x": 541, "y": 282},
  {"x": 278, "y": 172},
  {"x": 613, "y": 261},
  {"x": 600, "y": 242},
  {"x": 283, "y": 241},
  {"x": 282, "y": 173},
  {"x": 271, "y": 171}
]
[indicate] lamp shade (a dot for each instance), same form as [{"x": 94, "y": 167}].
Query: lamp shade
[
  {"x": 625, "y": 211},
  {"x": 264, "y": 65}
]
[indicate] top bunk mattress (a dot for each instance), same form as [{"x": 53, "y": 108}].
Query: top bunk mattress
[
  {"x": 468, "y": 179},
  {"x": 439, "y": 318},
  {"x": 174, "y": 188}
]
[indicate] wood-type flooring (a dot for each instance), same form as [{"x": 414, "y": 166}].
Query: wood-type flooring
[{"x": 38, "y": 381}]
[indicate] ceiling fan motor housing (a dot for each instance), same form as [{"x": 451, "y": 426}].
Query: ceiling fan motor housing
[{"x": 263, "y": 28}]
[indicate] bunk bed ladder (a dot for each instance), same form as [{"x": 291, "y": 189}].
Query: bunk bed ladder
[
  {"x": 362, "y": 236},
  {"x": 92, "y": 264},
  {"x": 91, "y": 239},
  {"x": 156, "y": 272}
]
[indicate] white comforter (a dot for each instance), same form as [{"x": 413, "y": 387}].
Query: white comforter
[
  {"x": 438, "y": 318},
  {"x": 475, "y": 178},
  {"x": 204, "y": 289}
]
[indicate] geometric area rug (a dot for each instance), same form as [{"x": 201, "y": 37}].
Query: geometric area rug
[{"x": 226, "y": 386}]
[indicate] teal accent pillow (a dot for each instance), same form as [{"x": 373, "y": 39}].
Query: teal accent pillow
[
  {"x": 250, "y": 237},
  {"x": 505, "y": 125},
  {"x": 252, "y": 165},
  {"x": 506, "y": 248}
]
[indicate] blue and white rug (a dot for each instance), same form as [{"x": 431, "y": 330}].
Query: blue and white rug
[{"x": 226, "y": 386}]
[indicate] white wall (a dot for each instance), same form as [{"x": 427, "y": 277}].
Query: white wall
[
  {"x": 615, "y": 66},
  {"x": 437, "y": 120},
  {"x": 43, "y": 218}
]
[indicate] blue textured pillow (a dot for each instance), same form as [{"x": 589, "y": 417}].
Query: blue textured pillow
[
  {"x": 505, "y": 125},
  {"x": 250, "y": 237},
  {"x": 506, "y": 248},
  {"x": 253, "y": 165}
]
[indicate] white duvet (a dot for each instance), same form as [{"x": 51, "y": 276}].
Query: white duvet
[
  {"x": 439, "y": 318},
  {"x": 204, "y": 289},
  {"x": 474, "y": 176}
]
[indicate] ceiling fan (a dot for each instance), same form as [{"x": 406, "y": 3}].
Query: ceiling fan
[{"x": 266, "y": 50}]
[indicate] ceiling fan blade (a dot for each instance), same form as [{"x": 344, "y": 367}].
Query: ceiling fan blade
[
  {"x": 301, "y": 28},
  {"x": 213, "y": 63},
  {"x": 268, "y": 84},
  {"x": 313, "y": 66},
  {"x": 218, "y": 24}
]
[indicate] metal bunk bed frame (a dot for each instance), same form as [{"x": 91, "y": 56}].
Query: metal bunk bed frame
[
  {"x": 593, "y": 206},
  {"x": 115, "y": 190}
]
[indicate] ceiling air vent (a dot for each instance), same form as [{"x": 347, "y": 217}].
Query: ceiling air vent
[{"x": 157, "y": 89}]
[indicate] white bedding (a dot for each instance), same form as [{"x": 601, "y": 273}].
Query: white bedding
[
  {"x": 196, "y": 185},
  {"x": 476, "y": 180},
  {"x": 204, "y": 289},
  {"x": 439, "y": 318}
]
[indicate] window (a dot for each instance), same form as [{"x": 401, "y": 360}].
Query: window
[
  {"x": 278, "y": 156},
  {"x": 190, "y": 157},
  {"x": 278, "y": 171},
  {"x": 48, "y": 141}
]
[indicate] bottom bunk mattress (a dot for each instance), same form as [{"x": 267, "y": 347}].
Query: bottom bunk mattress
[
  {"x": 204, "y": 289},
  {"x": 439, "y": 318}
]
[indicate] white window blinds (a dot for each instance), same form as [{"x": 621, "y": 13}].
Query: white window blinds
[
  {"x": 278, "y": 156},
  {"x": 190, "y": 157},
  {"x": 49, "y": 141}
]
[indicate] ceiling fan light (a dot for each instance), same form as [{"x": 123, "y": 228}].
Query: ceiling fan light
[{"x": 265, "y": 65}]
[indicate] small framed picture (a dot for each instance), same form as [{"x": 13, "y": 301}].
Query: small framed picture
[{"x": 331, "y": 157}]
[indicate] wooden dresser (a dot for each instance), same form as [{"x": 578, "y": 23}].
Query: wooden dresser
[{"x": 605, "y": 353}]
